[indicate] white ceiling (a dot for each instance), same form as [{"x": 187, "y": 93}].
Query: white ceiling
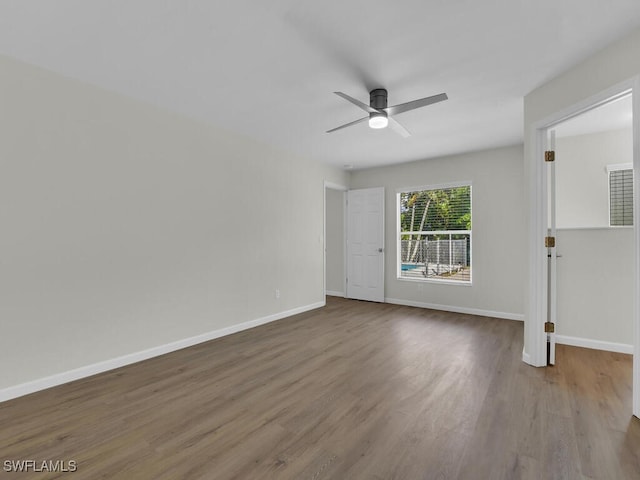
[{"x": 267, "y": 69}]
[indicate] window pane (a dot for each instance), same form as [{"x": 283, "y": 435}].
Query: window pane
[
  {"x": 621, "y": 197},
  {"x": 435, "y": 234}
]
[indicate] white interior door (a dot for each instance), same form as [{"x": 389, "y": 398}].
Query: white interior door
[
  {"x": 552, "y": 257},
  {"x": 365, "y": 244}
]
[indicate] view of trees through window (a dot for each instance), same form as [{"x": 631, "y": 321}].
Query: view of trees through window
[{"x": 435, "y": 234}]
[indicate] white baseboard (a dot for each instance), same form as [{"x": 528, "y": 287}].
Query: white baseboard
[
  {"x": 595, "y": 344},
  {"x": 449, "y": 308},
  {"x": 332, "y": 293},
  {"x": 526, "y": 358},
  {"x": 88, "y": 370}
]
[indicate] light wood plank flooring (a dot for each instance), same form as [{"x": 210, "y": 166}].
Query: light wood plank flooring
[{"x": 354, "y": 390}]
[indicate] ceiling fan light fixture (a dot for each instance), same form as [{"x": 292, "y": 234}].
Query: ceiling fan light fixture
[{"x": 378, "y": 120}]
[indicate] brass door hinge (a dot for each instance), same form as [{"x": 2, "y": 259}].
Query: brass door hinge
[
  {"x": 549, "y": 242},
  {"x": 549, "y": 327},
  {"x": 550, "y": 156}
]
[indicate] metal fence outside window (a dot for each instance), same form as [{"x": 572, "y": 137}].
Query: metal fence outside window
[{"x": 446, "y": 254}]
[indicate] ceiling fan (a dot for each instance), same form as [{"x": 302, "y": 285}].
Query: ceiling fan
[{"x": 380, "y": 115}]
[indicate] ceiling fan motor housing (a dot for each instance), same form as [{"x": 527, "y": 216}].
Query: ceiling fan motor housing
[{"x": 378, "y": 98}]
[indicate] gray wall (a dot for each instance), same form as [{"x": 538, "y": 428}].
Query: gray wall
[
  {"x": 498, "y": 230},
  {"x": 582, "y": 191},
  {"x": 595, "y": 287},
  {"x": 125, "y": 227}
]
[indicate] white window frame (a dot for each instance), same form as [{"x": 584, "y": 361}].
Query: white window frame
[
  {"x": 438, "y": 281},
  {"x": 613, "y": 168}
]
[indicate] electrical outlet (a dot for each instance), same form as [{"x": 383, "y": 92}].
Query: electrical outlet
[{"x": 277, "y": 293}]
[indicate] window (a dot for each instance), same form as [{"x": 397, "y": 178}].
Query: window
[
  {"x": 620, "y": 195},
  {"x": 434, "y": 234}
]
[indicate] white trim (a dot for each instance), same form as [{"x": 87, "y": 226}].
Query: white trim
[
  {"x": 525, "y": 357},
  {"x": 398, "y": 258},
  {"x": 450, "y": 308},
  {"x": 335, "y": 294},
  {"x": 535, "y": 348},
  {"x": 345, "y": 227},
  {"x": 335, "y": 186},
  {"x": 610, "y": 94},
  {"x": 324, "y": 238},
  {"x": 88, "y": 370},
  {"x": 435, "y": 186},
  {"x": 614, "y": 167},
  {"x": 594, "y": 344},
  {"x": 436, "y": 280},
  {"x": 635, "y": 403}
]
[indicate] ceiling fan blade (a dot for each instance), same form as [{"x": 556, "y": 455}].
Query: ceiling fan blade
[
  {"x": 422, "y": 102},
  {"x": 357, "y": 103},
  {"x": 399, "y": 129},
  {"x": 360, "y": 120}
]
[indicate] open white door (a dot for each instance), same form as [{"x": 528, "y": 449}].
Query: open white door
[
  {"x": 365, "y": 244},
  {"x": 552, "y": 257}
]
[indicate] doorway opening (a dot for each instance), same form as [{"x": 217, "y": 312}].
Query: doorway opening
[
  {"x": 354, "y": 242},
  {"x": 594, "y": 228},
  {"x": 583, "y": 259},
  {"x": 335, "y": 239}
]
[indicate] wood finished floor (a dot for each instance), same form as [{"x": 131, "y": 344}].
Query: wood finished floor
[{"x": 354, "y": 390}]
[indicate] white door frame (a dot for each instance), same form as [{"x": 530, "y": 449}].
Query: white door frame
[
  {"x": 537, "y": 293},
  {"x": 342, "y": 188}
]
